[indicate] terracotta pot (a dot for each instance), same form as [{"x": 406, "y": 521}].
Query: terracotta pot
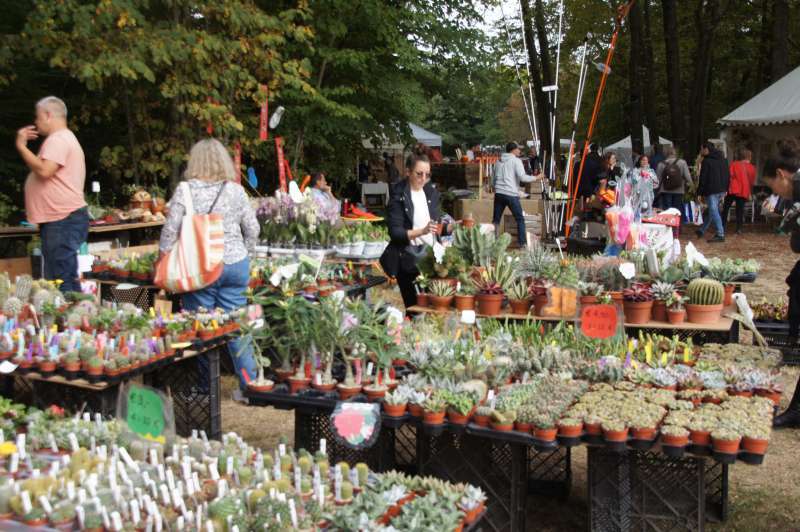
[
  {"x": 481, "y": 421},
  {"x": 740, "y": 393},
  {"x": 323, "y": 387},
  {"x": 588, "y": 300},
  {"x": 261, "y": 388},
  {"x": 674, "y": 441},
  {"x": 593, "y": 429},
  {"x": 433, "y": 418},
  {"x": 468, "y": 223},
  {"x": 703, "y": 313},
  {"x": 375, "y": 394},
  {"x": 471, "y": 515},
  {"x": 520, "y": 306},
  {"x": 617, "y": 298},
  {"x": 508, "y": 427},
  {"x": 659, "y": 311},
  {"x": 523, "y": 427},
  {"x": 644, "y": 434},
  {"x": 422, "y": 300},
  {"x": 441, "y": 303},
  {"x": 47, "y": 366},
  {"x": 394, "y": 410},
  {"x": 283, "y": 374},
  {"x": 465, "y": 302},
  {"x": 726, "y": 446},
  {"x": 539, "y": 302},
  {"x": 457, "y": 418},
  {"x": 94, "y": 371},
  {"x": 676, "y": 317},
  {"x": 346, "y": 392},
  {"x": 415, "y": 410},
  {"x": 637, "y": 312},
  {"x": 545, "y": 434},
  {"x": 700, "y": 437},
  {"x": 489, "y": 304},
  {"x": 773, "y": 395},
  {"x": 570, "y": 431},
  {"x": 755, "y": 446},
  {"x": 36, "y": 522},
  {"x": 728, "y": 299},
  {"x": 616, "y": 435}
]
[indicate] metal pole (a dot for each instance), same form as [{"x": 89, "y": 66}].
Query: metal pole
[
  {"x": 554, "y": 107},
  {"x": 528, "y": 67},
  {"x": 519, "y": 78}
]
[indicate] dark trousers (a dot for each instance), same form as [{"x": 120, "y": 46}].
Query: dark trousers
[
  {"x": 60, "y": 243},
  {"x": 501, "y": 201},
  {"x": 405, "y": 281},
  {"x": 726, "y": 207}
]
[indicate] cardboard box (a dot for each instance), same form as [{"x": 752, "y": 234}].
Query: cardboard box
[
  {"x": 483, "y": 209},
  {"x": 533, "y": 226}
]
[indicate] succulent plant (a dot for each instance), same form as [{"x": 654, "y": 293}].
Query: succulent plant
[
  {"x": 12, "y": 306},
  {"x": 518, "y": 290},
  {"x": 705, "y": 292},
  {"x": 674, "y": 430},
  {"x": 442, "y": 288},
  {"x": 662, "y": 291},
  {"x": 24, "y": 284},
  {"x": 638, "y": 293}
]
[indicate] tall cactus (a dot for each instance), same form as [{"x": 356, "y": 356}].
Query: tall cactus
[
  {"x": 5, "y": 287},
  {"x": 705, "y": 292}
]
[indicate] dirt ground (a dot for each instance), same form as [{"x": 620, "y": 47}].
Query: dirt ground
[{"x": 762, "y": 498}]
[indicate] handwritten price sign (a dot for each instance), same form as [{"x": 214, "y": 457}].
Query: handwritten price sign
[
  {"x": 599, "y": 321},
  {"x": 146, "y": 412}
]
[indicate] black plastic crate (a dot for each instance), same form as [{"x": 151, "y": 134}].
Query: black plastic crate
[{"x": 776, "y": 334}]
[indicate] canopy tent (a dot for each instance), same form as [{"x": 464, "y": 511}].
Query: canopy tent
[
  {"x": 624, "y": 147},
  {"x": 767, "y": 117},
  {"x": 420, "y": 134}
]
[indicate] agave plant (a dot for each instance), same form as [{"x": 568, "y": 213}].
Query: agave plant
[
  {"x": 442, "y": 288},
  {"x": 662, "y": 291},
  {"x": 519, "y": 291}
]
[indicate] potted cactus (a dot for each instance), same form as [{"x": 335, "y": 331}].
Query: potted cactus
[
  {"x": 570, "y": 427},
  {"x": 674, "y": 436},
  {"x": 756, "y": 439},
  {"x": 503, "y": 420},
  {"x": 706, "y": 296},
  {"x": 544, "y": 427},
  {"x": 441, "y": 294},
  {"x": 518, "y": 298},
  {"x": 637, "y": 303},
  {"x": 676, "y": 312},
  {"x": 465, "y": 295},
  {"x": 422, "y": 283},
  {"x": 589, "y": 292},
  {"x": 662, "y": 292},
  {"x": 725, "y": 440},
  {"x": 615, "y": 430},
  {"x": 482, "y": 416}
]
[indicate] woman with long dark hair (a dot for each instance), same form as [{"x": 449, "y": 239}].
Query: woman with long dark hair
[
  {"x": 782, "y": 175},
  {"x": 412, "y": 216}
]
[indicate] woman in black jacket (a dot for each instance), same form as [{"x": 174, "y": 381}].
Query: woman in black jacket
[
  {"x": 782, "y": 174},
  {"x": 413, "y": 217}
]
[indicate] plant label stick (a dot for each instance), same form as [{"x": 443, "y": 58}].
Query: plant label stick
[
  {"x": 25, "y": 498},
  {"x": 323, "y": 445},
  {"x": 21, "y": 445}
]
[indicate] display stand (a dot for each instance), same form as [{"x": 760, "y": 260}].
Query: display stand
[
  {"x": 726, "y": 330},
  {"x": 195, "y": 390}
]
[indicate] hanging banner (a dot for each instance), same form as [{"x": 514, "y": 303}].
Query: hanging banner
[
  {"x": 281, "y": 166},
  {"x": 237, "y": 161},
  {"x": 263, "y": 130}
]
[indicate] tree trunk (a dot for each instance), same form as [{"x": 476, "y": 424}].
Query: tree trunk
[
  {"x": 635, "y": 79},
  {"x": 764, "y": 48},
  {"x": 650, "y": 102},
  {"x": 671, "y": 42},
  {"x": 707, "y": 20},
  {"x": 131, "y": 135},
  {"x": 536, "y": 76},
  {"x": 780, "y": 45}
]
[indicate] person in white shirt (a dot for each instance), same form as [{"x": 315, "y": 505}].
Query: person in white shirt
[{"x": 321, "y": 191}]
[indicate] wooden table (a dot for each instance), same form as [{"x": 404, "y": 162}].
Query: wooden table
[
  {"x": 725, "y": 329},
  {"x": 18, "y": 231}
]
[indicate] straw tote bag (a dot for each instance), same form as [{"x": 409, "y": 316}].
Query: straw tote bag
[{"x": 195, "y": 261}]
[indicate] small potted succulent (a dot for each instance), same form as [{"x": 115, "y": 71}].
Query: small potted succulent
[
  {"x": 756, "y": 438},
  {"x": 422, "y": 283},
  {"x": 395, "y": 402},
  {"x": 518, "y": 298},
  {"x": 482, "y": 416},
  {"x": 662, "y": 293},
  {"x": 674, "y": 436},
  {"x": 570, "y": 427},
  {"x": 589, "y": 292},
  {"x": 643, "y": 427},
  {"x": 544, "y": 427},
  {"x": 261, "y": 383},
  {"x": 491, "y": 286},
  {"x": 459, "y": 407},
  {"x": 676, "y": 312},
  {"x": 725, "y": 440},
  {"x": 503, "y": 420},
  {"x": 415, "y": 401},
  {"x": 434, "y": 410},
  {"x": 593, "y": 425},
  {"x": 637, "y": 303},
  {"x": 615, "y": 430},
  {"x": 465, "y": 295},
  {"x": 441, "y": 294},
  {"x": 700, "y": 429},
  {"x": 71, "y": 364}
]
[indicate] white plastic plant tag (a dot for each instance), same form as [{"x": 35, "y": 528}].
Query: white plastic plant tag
[
  {"x": 468, "y": 317},
  {"x": 628, "y": 270}
]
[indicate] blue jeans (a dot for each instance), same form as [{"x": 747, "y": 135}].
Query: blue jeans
[
  {"x": 501, "y": 201},
  {"x": 713, "y": 214},
  {"x": 227, "y": 293},
  {"x": 60, "y": 243}
]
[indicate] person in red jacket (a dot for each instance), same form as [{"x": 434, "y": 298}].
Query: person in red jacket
[{"x": 743, "y": 177}]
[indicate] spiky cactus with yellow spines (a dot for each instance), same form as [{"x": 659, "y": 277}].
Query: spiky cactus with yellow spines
[{"x": 23, "y": 287}]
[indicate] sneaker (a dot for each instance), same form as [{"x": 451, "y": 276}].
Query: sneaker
[
  {"x": 699, "y": 233},
  {"x": 717, "y": 238}
]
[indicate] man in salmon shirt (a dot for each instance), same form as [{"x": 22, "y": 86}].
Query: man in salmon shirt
[
  {"x": 743, "y": 177},
  {"x": 54, "y": 191}
]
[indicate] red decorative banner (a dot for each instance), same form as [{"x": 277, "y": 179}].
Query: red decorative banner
[
  {"x": 237, "y": 161},
  {"x": 281, "y": 166},
  {"x": 263, "y": 130}
]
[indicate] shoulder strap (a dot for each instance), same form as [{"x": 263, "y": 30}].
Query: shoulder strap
[
  {"x": 187, "y": 198},
  {"x": 217, "y": 198}
]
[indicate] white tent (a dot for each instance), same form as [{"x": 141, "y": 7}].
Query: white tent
[
  {"x": 624, "y": 147},
  {"x": 767, "y": 117},
  {"x": 428, "y": 138}
]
